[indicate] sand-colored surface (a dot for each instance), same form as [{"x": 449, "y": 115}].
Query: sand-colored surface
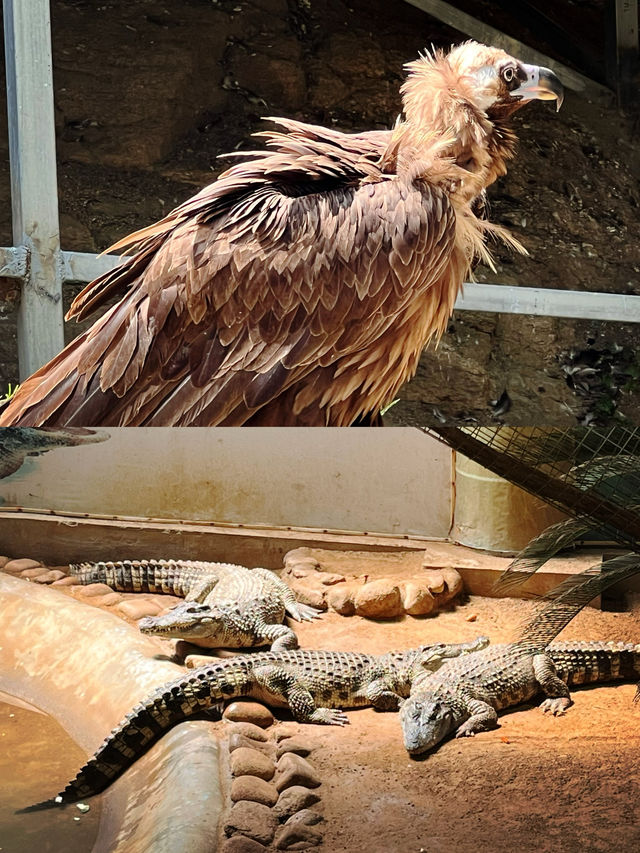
[{"x": 535, "y": 783}]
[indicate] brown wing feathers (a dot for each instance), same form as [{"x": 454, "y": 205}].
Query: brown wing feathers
[{"x": 300, "y": 287}]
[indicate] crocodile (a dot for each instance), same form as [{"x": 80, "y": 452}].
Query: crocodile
[
  {"x": 225, "y": 605},
  {"x": 465, "y": 695},
  {"x": 313, "y": 685}
]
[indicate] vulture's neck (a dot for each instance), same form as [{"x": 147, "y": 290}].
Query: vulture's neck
[{"x": 436, "y": 109}]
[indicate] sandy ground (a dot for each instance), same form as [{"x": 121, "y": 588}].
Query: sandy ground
[{"x": 536, "y": 783}]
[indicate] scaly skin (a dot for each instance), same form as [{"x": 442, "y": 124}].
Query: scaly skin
[
  {"x": 465, "y": 694},
  {"x": 226, "y": 605},
  {"x": 314, "y": 685}
]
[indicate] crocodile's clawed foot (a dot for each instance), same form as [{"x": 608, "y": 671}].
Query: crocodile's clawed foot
[
  {"x": 329, "y": 717},
  {"x": 306, "y": 613},
  {"x": 556, "y": 706},
  {"x": 465, "y": 731}
]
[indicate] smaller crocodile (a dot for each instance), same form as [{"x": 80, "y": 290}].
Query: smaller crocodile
[
  {"x": 226, "y": 606},
  {"x": 314, "y": 685},
  {"x": 465, "y": 694}
]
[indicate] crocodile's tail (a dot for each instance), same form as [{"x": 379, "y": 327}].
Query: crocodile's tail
[
  {"x": 593, "y": 663},
  {"x": 191, "y": 694},
  {"x": 171, "y": 577}
]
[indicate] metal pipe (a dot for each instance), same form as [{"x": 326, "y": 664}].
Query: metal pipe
[{"x": 34, "y": 190}]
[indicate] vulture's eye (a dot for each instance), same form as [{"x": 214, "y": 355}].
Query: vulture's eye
[{"x": 508, "y": 73}]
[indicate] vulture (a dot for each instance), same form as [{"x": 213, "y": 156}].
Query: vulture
[{"x": 301, "y": 286}]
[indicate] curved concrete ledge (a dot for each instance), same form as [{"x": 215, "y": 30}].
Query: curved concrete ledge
[{"x": 86, "y": 668}]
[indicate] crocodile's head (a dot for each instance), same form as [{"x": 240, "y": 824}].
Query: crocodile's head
[
  {"x": 188, "y": 620},
  {"x": 425, "y": 722}
]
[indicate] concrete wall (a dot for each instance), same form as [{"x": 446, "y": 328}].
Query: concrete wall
[{"x": 394, "y": 482}]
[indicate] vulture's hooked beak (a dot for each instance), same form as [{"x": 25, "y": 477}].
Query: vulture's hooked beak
[{"x": 541, "y": 84}]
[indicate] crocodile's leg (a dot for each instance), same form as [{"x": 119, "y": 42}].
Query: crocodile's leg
[
  {"x": 559, "y": 698},
  {"x": 432, "y": 657},
  {"x": 279, "y": 681},
  {"x": 201, "y": 589},
  {"x": 381, "y": 697},
  {"x": 281, "y": 637},
  {"x": 298, "y": 611},
  {"x": 483, "y": 718}
]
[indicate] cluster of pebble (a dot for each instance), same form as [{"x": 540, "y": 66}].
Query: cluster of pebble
[
  {"x": 273, "y": 785},
  {"x": 97, "y": 594},
  {"x": 382, "y": 598}
]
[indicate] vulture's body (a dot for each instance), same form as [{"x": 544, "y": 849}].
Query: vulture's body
[{"x": 300, "y": 287}]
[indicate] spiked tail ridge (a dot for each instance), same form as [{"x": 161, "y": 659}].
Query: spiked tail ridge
[{"x": 173, "y": 703}]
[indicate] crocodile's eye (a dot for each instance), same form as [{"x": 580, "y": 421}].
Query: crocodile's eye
[{"x": 508, "y": 73}]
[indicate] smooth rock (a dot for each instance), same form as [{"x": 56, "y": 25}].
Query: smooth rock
[
  {"x": 254, "y": 820},
  {"x": 239, "y": 741},
  {"x": 293, "y": 744},
  {"x": 94, "y": 589},
  {"x": 136, "y": 609},
  {"x": 297, "y": 837},
  {"x": 251, "y": 762},
  {"x": 249, "y": 712},
  {"x": 14, "y": 567},
  {"x": 32, "y": 574},
  {"x": 284, "y": 730},
  {"x": 242, "y": 844},
  {"x": 50, "y": 576},
  {"x": 301, "y": 557},
  {"x": 417, "y": 598},
  {"x": 66, "y": 581},
  {"x": 454, "y": 582},
  {"x": 109, "y": 600},
  {"x": 340, "y": 598},
  {"x": 292, "y": 769},
  {"x": 195, "y": 661},
  {"x": 329, "y": 578},
  {"x": 435, "y": 582},
  {"x": 299, "y": 572},
  {"x": 379, "y": 600},
  {"x": 314, "y": 596},
  {"x": 4, "y": 561},
  {"x": 254, "y": 789},
  {"x": 293, "y": 800},
  {"x": 308, "y": 817},
  {"x": 248, "y": 730}
]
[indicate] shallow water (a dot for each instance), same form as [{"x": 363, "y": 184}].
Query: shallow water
[{"x": 37, "y": 759}]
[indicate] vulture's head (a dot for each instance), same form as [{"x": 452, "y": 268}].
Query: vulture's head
[{"x": 486, "y": 78}]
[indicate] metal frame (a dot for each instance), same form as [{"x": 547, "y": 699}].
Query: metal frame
[{"x": 38, "y": 261}]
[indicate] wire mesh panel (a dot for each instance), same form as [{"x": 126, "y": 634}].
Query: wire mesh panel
[{"x": 585, "y": 471}]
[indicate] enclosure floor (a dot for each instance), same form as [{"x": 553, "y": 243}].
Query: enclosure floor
[{"x": 537, "y": 783}]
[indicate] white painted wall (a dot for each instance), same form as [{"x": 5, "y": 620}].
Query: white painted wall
[{"x": 393, "y": 481}]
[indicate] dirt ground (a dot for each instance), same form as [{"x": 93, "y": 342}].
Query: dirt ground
[
  {"x": 149, "y": 93},
  {"x": 535, "y": 783}
]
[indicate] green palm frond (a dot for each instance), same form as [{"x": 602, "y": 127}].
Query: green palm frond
[
  {"x": 572, "y": 595},
  {"x": 546, "y": 545}
]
